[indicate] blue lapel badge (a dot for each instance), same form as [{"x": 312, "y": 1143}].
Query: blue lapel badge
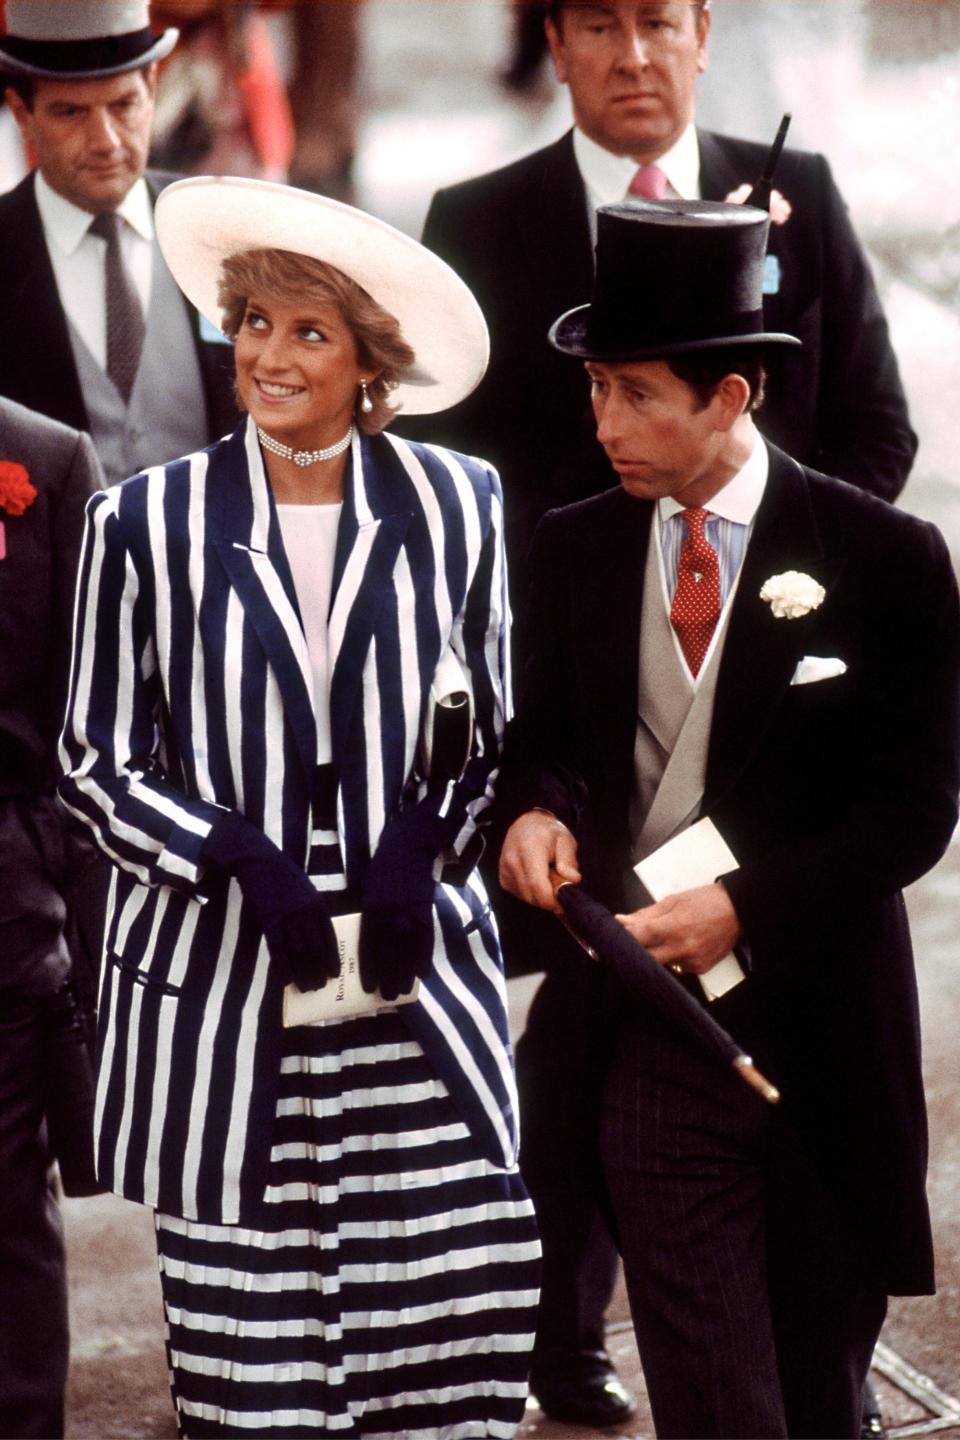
[
  {"x": 772, "y": 272},
  {"x": 209, "y": 332}
]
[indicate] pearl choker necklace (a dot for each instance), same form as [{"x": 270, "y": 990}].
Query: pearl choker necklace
[{"x": 304, "y": 457}]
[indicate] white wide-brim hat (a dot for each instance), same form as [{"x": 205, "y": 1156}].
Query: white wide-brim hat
[
  {"x": 203, "y": 220},
  {"x": 80, "y": 39}
]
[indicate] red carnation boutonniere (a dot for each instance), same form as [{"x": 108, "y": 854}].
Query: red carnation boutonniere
[{"x": 16, "y": 494}]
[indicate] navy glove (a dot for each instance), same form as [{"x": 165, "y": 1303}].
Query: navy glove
[
  {"x": 396, "y": 926},
  {"x": 290, "y": 912}
]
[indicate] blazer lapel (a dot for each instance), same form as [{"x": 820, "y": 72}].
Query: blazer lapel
[
  {"x": 717, "y": 175},
  {"x": 761, "y": 652},
  {"x": 376, "y": 514},
  {"x": 555, "y": 230},
  {"x": 247, "y": 540}
]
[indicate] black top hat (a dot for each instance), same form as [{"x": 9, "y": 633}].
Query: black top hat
[
  {"x": 80, "y": 40},
  {"x": 673, "y": 277}
]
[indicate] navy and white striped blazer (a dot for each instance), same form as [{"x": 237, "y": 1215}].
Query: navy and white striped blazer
[{"x": 191, "y": 690}]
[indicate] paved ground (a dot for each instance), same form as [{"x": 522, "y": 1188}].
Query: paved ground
[{"x": 874, "y": 86}]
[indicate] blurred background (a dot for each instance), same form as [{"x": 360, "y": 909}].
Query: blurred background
[{"x": 379, "y": 102}]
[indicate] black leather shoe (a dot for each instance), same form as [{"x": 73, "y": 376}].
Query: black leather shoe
[
  {"x": 585, "y": 1391},
  {"x": 871, "y": 1422},
  {"x": 872, "y": 1428}
]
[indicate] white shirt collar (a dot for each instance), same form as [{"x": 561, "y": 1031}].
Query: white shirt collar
[
  {"x": 739, "y": 500},
  {"x": 66, "y": 225},
  {"x": 607, "y": 176}
]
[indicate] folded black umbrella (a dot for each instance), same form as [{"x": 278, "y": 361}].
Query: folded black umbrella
[
  {"x": 763, "y": 190},
  {"x": 644, "y": 980}
]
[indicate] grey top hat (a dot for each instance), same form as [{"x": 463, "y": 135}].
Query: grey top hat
[
  {"x": 672, "y": 277},
  {"x": 80, "y": 39}
]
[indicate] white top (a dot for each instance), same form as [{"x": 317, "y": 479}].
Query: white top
[
  {"x": 310, "y": 540},
  {"x": 607, "y": 177},
  {"x": 78, "y": 258}
]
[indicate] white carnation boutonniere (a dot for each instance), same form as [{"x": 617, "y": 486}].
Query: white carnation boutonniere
[
  {"x": 792, "y": 594},
  {"x": 780, "y": 207}
]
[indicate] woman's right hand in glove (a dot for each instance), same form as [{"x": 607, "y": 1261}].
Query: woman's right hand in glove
[{"x": 291, "y": 914}]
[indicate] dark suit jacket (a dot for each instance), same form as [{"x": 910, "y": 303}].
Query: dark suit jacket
[
  {"x": 832, "y": 795},
  {"x": 520, "y": 238},
  {"x": 36, "y": 364},
  {"x": 37, "y": 578}
]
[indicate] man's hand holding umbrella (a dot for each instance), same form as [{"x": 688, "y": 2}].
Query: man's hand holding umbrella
[{"x": 687, "y": 932}]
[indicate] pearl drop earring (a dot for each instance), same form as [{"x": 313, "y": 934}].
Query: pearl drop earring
[{"x": 366, "y": 404}]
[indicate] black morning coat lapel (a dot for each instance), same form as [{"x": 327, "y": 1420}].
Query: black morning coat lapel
[
  {"x": 605, "y": 616},
  {"x": 761, "y": 652},
  {"x": 717, "y": 175},
  {"x": 618, "y": 645},
  {"x": 36, "y": 318},
  {"x": 555, "y": 231}
]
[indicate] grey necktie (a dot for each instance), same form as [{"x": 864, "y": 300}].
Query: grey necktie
[{"x": 125, "y": 327}]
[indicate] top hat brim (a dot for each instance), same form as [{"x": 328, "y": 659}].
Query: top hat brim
[
  {"x": 83, "y": 59},
  {"x": 203, "y": 220},
  {"x": 571, "y": 335}
]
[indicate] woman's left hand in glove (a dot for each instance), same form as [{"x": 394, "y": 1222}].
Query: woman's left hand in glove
[{"x": 396, "y": 926}]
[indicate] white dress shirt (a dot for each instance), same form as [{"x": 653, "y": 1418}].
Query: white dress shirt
[
  {"x": 78, "y": 258},
  {"x": 729, "y": 525},
  {"x": 606, "y": 177}
]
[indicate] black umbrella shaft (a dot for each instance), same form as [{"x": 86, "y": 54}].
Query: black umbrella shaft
[{"x": 650, "y": 984}]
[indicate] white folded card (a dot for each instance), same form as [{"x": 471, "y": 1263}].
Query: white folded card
[
  {"x": 694, "y": 857},
  {"x": 817, "y": 667},
  {"x": 344, "y": 996}
]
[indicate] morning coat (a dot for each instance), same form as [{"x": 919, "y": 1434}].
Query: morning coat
[
  {"x": 38, "y": 368},
  {"x": 191, "y": 691},
  {"x": 832, "y": 796}
]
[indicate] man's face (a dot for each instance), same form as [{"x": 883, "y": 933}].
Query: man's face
[
  {"x": 90, "y": 137},
  {"x": 657, "y": 437},
  {"x": 631, "y": 69}
]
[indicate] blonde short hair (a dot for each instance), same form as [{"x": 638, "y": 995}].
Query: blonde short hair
[{"x": 286, "y": 276}]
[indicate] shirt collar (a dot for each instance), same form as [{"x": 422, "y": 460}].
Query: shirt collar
[
  {"x": 66, "y": 224},
  {"x": 739, "y": 500},
  {"x": 607, "y": 176}
]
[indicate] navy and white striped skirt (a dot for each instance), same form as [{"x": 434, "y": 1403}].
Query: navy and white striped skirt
[{"x": 391, "y": 1287}]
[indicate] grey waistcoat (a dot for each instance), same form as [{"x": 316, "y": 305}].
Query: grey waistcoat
[
  {"x": 167, "y": 416},
  {"x": 673, "y": 721}
]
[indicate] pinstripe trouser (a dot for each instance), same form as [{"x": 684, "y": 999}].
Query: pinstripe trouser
[
  {"x": 390, "y": 1286},
  {"x": 754, "y": 1312}
]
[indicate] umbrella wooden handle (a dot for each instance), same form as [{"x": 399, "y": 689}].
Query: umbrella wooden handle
[
  {"x": 560, "y": 884},
  {"x": 744, "y": 1066}
]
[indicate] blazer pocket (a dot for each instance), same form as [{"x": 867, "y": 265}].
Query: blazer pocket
[
  {"x": 477, "y": 922},
  {"x": 148, "y": 982}
]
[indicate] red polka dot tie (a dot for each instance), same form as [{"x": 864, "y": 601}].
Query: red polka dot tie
[
  {"x": 696, "y": 603},
  {"x": 649, "y": 183}
]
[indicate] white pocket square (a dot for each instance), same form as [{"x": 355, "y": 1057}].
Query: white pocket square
[{"x": 817, "y": 667}]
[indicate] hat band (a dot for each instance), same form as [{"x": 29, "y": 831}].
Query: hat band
[
  {"x": 636, "y": 332},
  {"x": 104, "y": 52}
]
